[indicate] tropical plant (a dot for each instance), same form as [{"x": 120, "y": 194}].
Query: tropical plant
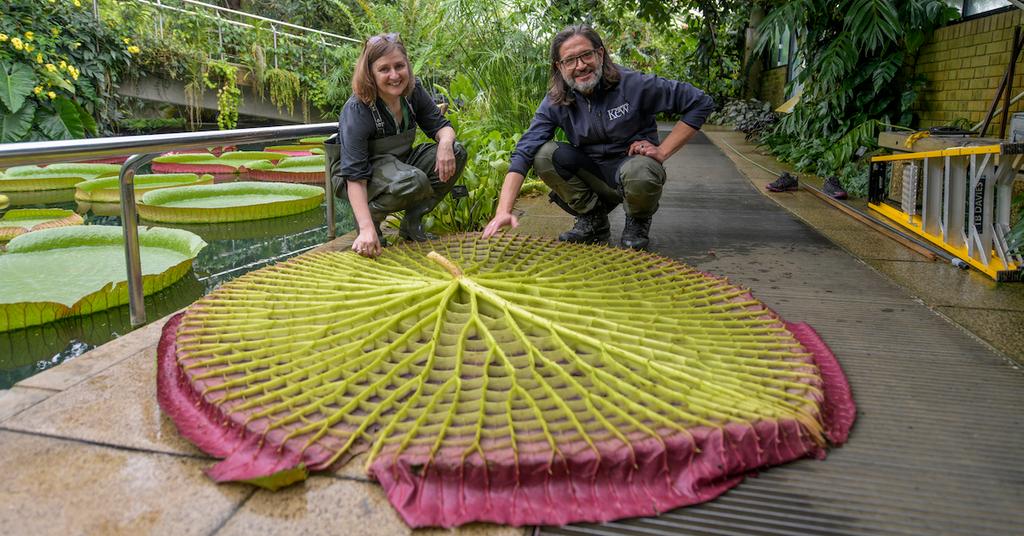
[
  {"x": 223, "y": 77},
  {"x": 856, "y": 56},
  {"x": 487, "y": 371}
]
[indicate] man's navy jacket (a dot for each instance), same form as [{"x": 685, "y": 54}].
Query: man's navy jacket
[{"x": 607, "y": 121}]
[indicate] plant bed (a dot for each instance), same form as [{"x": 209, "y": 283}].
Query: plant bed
[
  {"x": 108, "y": 190},
  {"x": 20, "y": 221},
  {"x": 300, "y": 169},
  {"x": 72, "y": 271},
  {"x": 53, "y": 177},
  {"x": 237, "y": 201}
]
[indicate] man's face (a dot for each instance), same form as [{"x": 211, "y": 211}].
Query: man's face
[{"x": 580, "y": 64}]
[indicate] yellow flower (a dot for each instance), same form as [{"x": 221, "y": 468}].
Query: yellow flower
[
  {"x": 50, "y": 67},
  {"x": 18, "y": 45},
  {"x": 3, "y": 37},
  {"x": 51, "y": 94},
  {"x": 133, "y": 49},
  {"x": 55, "y": 32},
  {"x": 39, "y": 58},
  {"x": 37, "y": 90},
  {"x": 29, "y": 36},
  {"x": 29, "y": 48},
  {"x": 63, "y": 64},
  {"x": 127, "y": 40},
  {"x": 78, "y": 4},
  {"x": 74, "y": 73}
]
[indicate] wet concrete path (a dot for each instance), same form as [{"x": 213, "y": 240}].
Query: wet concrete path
[{"x": 937, "y": 445}]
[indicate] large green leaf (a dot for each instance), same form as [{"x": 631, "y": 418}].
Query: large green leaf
[
  {"x": 15, "y": 125},
  {"x": 16, "y": 83},
  {"x": 64, "y": 123},
  {"x": 236, "y": 201},
  {"x": 20, "y": 221},
  {"x": 56, "y": 273},
  {"x": 108, "y": 189}
]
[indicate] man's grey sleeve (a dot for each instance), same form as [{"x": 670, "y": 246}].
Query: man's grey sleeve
[{"x": 542, "y": 129}]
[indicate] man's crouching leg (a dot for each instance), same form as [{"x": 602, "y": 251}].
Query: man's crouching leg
[
  {"x": 642, "y": 179},
  {"x": 560, "y": 165}
]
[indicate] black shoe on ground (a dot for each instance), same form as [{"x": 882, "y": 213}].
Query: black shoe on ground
[
  {"x": 411, "y": 227},
  {"x": 590, "y": 228},
  {"x": 635, "y": 233},
  {"x": 832, "y": 188},
  {"x": 784, "y": 183}
]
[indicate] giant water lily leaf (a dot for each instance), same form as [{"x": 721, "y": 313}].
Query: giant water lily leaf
[
  {"x": 230, "y": 162},
  {"x": 20, "y": 221},
  {"x": 514, "y": 380},
  {"x": 302, "y": 169},
  {"x": 4, "y": 202},
  {"x": 53, "y": 177},
  {"x": 70, "y": 271},
  {"x": 237, "y": 201},
  {"x": 108, "y": 190},
  {"x": 292, "y": 150}
]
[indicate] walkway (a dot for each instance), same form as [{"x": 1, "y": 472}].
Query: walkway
[{"x": 936, "y": 448}]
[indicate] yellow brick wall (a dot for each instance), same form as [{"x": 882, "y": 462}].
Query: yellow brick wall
[
  {"x": 964, "y": 64},
  {"x": 773, "y": 86}
]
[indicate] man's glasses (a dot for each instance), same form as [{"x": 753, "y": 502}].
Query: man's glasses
[
  {"x": 389, "y": 37},
  {"x": 572, "y": 61}
]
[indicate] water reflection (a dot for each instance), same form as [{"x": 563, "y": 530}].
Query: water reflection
[{"x": 233, "y": 249}]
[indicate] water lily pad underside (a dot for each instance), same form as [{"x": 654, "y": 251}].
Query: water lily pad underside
[
  {"x": 300, "y": 169},
  {"x": 108, "y": 190},
  {"x": 57, "y": 273},
  {"x": 20, "y": 221},
  {"x": 515, "y": 380},
  {"x": 53, "y": 177},
  {"x": 226, "y": 164},
  {"x": 237, "y": 201}
]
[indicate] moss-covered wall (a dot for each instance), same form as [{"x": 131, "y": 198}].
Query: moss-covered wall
[
  {"x": 964, "y": 64},
  {"x": 773, "y": 86}
]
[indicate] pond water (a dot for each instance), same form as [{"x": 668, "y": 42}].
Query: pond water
[{"x": 233, "y": 249}]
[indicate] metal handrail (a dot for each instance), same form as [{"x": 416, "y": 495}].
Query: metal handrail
[{"x": 143, "y": 149}]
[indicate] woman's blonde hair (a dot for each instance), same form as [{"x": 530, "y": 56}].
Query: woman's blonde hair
[{"x": 363, "y": 85}]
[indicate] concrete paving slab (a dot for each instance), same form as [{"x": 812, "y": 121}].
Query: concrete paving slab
[
  {"x": 91, "y": 363},
  {"x": 18, "y": 399},
  {"x": 53, "y": 486},
  {"x": 115, "y": 407},
  {"x": 329, "y": 506}
]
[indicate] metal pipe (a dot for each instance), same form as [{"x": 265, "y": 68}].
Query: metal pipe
[
  {"x": 329, "y": 198},
  {"x": 130, "y": 229},
  {"x": 272, "y": 21}
]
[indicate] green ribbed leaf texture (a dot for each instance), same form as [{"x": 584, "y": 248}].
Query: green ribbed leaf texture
[{"x": 515, "y": 380}]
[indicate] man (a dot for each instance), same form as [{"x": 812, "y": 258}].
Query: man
[{"x": 613, "y": 156}]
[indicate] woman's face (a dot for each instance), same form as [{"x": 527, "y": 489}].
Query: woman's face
[{"x": 391, "y": 74}]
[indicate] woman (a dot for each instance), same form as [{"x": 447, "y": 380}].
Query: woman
[{"x": 379, "y": 167}]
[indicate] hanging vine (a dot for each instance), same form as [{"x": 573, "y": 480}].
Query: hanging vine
[
  {"x": 223, "y": 76},
  {"x": 284, "y": 88}
]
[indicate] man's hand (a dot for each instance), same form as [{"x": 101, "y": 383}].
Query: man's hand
[
  {"x": 646, "y": 148},
  {"x": 367, "y": 244},
  {"x": 500, "y": 220}
]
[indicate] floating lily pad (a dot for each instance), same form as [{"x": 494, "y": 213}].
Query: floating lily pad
[
  {"x": 228, "y": 164},
  {"x": 291, "y": 150},
  {"x": 301, "y": 169},
  {"x": 514, "y": 380},
  {"x": 253, "y": 229},
  {"x": 313, "y": 140},
  {"x": 237, "y": 201},
  {"x": 53, "y": 177},
  {"x": 98, "y": 209},
  {"x": 20, "y": 221},
  {"x": 108, "y": 190},
  {"x": 71, "y": 271},
  {"x": 4, "y": 202},
  {"x": 42, "y": 197}
]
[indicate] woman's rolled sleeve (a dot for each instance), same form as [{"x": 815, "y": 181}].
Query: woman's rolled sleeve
[{"x": 355, "y": 128}]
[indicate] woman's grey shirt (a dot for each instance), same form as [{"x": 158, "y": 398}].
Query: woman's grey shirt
[
  {"x": 356, "y": 128},
  {"x": 606, "y": 122}
]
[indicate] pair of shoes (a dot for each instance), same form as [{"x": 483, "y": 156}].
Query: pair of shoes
[
  {"x": 832, "y": 188},
  {"x": 590, "y": 228},
  {"x": 635, "y": 233},
  {"x": 784, "y": 183}
]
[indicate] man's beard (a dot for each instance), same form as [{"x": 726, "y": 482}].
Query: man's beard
[{"x": 587, "y": 87}]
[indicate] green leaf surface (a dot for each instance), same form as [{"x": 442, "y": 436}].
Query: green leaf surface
[
  {"x": 294, "y": 164},
  {"x": 108, "y": 189},
  {"x": 19, "y": 221},
  {"x": 64, "y": 122},
  {"x": 15, "y": 125},
  {"x": 226, "y": 202},
  {"x": 56, "y": 273},
  {"x": 235, "y": 159},
  {"x": 16, "y": 83}
]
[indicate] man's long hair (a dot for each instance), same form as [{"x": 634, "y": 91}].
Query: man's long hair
[{"x": 558, "y": 89}]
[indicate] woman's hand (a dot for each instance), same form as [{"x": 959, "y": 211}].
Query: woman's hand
[
  {"x": 500, "y": 220},
  {"x": 367, "y": 244},
  {"x": 445, "y": 165}
]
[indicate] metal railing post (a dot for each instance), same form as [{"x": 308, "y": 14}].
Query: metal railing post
[
  {"x": 160, "y": 18},
  {"x": 273, "y": 28},
  {"x": 96, "y": 10},
  {"x": 329, "y": 197},
  {"x": 129, "y": 226}
]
